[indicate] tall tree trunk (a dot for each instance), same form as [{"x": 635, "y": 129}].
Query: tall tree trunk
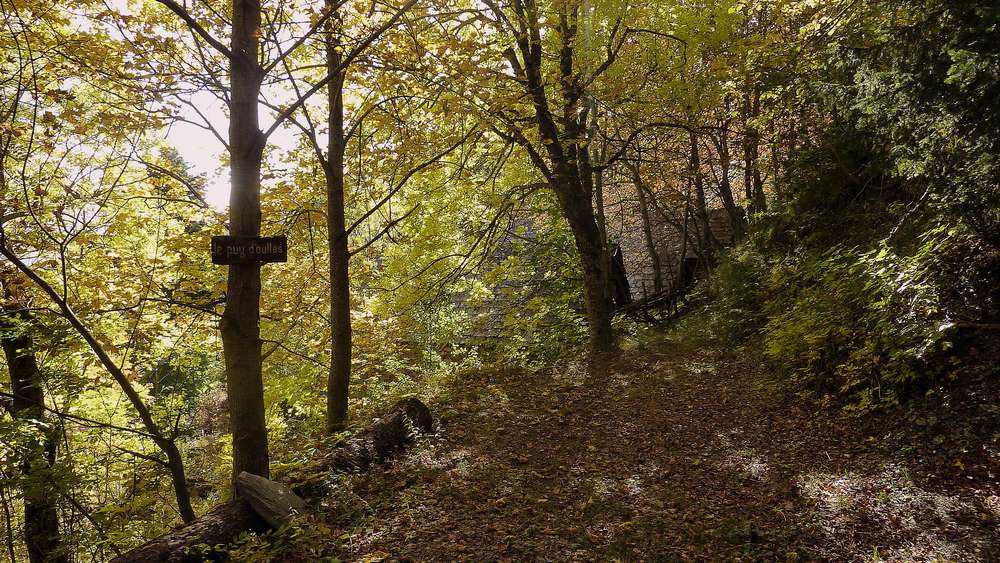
[
  {"x": 574, "y": 165},
  {"x": 647, "y": 229},
  {"x": 706, "y": 240},
  {"x": 736, "y": 218},
  {"x": 41, "y": 520},
  {"x": 338, "y": 385},
  {"x": 579, "y": 213},
  {"x": 753, "y": 185},
  {"x": 588, "y": 225},
  {"x": 679, "y": 279},
  {"x": 240, "y": 324}
]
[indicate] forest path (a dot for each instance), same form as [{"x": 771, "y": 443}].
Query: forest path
[{"x": 668, "y": 455}]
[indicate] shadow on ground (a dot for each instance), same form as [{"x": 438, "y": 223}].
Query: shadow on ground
[{"x": 668, "y": 456}]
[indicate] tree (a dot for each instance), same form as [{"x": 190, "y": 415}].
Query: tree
[
  {"x": 63, "y": 178},
  {"x": 560, "y": 63},
  {"x": 338, "y": 384},
  {"x": 565, "y": 162},
  {"x": 240, "y": 325},
  {"x": 41, "y": 518},
  {"x": 332, "y": 163}
]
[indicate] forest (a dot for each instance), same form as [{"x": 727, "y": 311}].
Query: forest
[{"x": 499, "y": 280}]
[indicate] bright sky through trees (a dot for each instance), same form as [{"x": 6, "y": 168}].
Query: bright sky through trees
[
  {"x": 202, "y": 150},
  {"x": 206, "y": 155},
  {"x": 642, "y": 259}
]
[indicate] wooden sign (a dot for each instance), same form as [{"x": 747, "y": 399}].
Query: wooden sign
[{"x": 247, "y": 250}]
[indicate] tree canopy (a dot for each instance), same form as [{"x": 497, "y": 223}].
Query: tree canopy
[{"x": 464, "y": 186}]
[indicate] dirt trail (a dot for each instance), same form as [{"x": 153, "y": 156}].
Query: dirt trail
[{"x": 666, "y": 457}]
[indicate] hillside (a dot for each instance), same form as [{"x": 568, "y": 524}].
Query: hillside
[
  {"x": 670, "y": 453},
  {"x": 514, "y": 280}
]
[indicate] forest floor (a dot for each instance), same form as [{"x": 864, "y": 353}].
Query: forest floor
[{"x": 674, "y": 455}]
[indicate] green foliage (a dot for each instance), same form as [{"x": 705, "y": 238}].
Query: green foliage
[
  {"x": 921, "y": 80},
  {"x": 855, "y": 323},
  {"x": 884, "y": 227},
  {"x": 304, "y": 540},
  {"x": 530, "y": 310},
  {"x": 734, "y": 298},
  {"x": 837, "y": 179},
  {"x": 847, "y": 323}
]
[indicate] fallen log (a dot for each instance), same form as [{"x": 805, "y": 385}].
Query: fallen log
[
  {"x": 378, "y": 442},
  {"x": 196, "y": 541},
  {"x": 211, "y": 532},
  {"x": 274, "y": 502},
  {"x": 382, "y": 439}
]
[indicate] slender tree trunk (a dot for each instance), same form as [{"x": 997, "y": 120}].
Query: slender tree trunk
[
  {"x": 706, "y": 240},
  {"x": 8, "y": 527},
  {"x": 593, "y": 180},
  {"x": 753, "y": 185},
  {"x": 647, "y": 230},
  {"x": 41, "y": 519},
  {"x": 240, "y": 324},
  {"x": 338, "y": 385},
  {"x": 758, "y": 183},
  {"x": 679, "y": 280},
  {"x": 736, "y": 218},
  {"x": 602, "y": 226},
  {"x": 601, "y": 217}
]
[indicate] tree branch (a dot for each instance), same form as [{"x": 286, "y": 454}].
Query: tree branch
[
  {"x": 360, "y": 48},
  {"x": 302, "y": 39},
  {"x": 196, "y": 27},
  {"x": 406, "y": 179},
  {"x": 384, "y": 230}
]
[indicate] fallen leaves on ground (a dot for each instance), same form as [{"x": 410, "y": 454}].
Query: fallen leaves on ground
[{"x": 666, "y": 456}]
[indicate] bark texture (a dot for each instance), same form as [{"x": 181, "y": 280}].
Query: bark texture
[
  {"x": 381, "y": 440},
  {"x": 240, "y": 325},
  {"x": 752, "y": 181},
  {"x": 274, "y": 502},
  {"x": 338, "y": 385}
]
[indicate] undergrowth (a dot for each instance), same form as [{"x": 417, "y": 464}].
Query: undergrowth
[
  {"x": 866, "y": 326},
  {"x": 853, "y": 289}
]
